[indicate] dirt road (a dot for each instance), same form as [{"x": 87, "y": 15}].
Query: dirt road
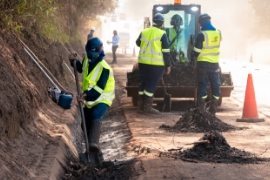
[{"x": 148, "y": 141}]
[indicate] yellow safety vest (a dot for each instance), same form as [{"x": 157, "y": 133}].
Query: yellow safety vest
[
  {"x": 151, "y": 47},
  {"x": 211, "y": 45},
  {"x": 179, "y": 42},
  {"x": 90, "y": 80}
]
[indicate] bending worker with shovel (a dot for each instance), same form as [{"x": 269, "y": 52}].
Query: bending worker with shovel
[{"x": 98, "y": 87}]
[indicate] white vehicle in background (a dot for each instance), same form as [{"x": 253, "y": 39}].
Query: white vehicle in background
[
  {"x": 126, "y": 26},
  {"x": 127, "y": 32},
  {"x": 113, "y": 18},
  {"x": 124, "y": 40}
]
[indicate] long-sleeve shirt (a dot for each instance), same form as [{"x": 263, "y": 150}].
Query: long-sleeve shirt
[
  {"x": 199, "y": 45},
  {"x": 165, "y": 45},
  {"x": 115, "y": 40},
  {"x": 92, "y": 95},
  {"x": 90, "y": 36}
]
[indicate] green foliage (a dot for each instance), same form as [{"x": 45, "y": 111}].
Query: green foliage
[{"x": 57, "y": 20}]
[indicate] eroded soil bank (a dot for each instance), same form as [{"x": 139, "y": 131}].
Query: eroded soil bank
[{"x": 32, "y": 126}]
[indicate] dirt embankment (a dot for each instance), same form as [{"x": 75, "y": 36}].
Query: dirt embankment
[
  {"x": 23, "y": 86},
  {"x": 27, "y": 114}
]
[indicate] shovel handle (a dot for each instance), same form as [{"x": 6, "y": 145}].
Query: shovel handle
[
  {"x": 163, "y": 84},
  {"x": 81, "y": 109}
]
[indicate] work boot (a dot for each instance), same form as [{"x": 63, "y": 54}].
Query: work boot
[
  {"x": 213, "y": 105},
  {"x": 140, "y": 103},
  {"x": 100, "y": 157},
  {"x": 201, "y": 103},
  {"x": 83, "y": 157},
  {"x": 93, "y": 139},
  {"x": 147, "y": 107}
]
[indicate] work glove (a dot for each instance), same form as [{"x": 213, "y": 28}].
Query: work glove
[
  {"x": 72, "y": 57},
  {"x": 167, "y": 70},
  {"x": 82, "y": 97}
]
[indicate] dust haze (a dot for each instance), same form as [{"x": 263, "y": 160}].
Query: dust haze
[{"x": 235, "y": 19}]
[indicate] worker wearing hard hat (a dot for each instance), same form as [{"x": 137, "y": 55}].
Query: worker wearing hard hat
[
  {"x": 91, "y": 33},
  {"x": 153, "y": 59},
  {"x": 98, "y": 87},
  {"x": 207, "y": 51},
  {"x": 176, "y": 38}
]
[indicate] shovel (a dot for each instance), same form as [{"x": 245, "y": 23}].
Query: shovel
[
  {"x": 83, "y": 156},
  {"x": 167, "y": 103}
]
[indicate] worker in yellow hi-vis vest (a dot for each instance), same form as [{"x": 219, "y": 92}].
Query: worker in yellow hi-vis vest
[
  {"x": 177, "y": 41},
  {"x": 206, "y": 51},
  {"x": 98, "y": 86},
  {"x": 153, "y": 59}
]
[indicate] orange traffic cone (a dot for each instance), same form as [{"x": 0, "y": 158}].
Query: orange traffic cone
[{"x": 250, "y": 112}]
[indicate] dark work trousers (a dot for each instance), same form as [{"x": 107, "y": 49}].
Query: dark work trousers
[
  {"x": 150, "y": 76},
  {"x": 96, "y": 112},
  {"x": 114, "y": 48},
  {"x": 206, "y": 74}
]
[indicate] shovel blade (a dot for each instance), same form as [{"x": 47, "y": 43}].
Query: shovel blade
[
  {"x": 83, "y": 157},
  {"x": 167, "y": 103},
  {"x": 93, "y": 158}
]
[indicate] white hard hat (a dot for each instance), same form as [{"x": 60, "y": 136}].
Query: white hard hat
[{"x": 92, "y": 28}]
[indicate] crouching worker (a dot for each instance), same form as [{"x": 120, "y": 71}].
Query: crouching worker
[{"x": 98, "y": 87}]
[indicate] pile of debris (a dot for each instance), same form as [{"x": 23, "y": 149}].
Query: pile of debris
[
  {"x": 108, "y": 170},
  {"x": 213, "y": 147},
  {"x": 179, "y": 76},
  {"x": 199, "y": 120}
]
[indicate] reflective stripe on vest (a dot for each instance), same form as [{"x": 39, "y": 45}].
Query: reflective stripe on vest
[
  {"x": 211, "y": 46},
  {"x": 151, "y": 47},
  {"x": 107, "y": 96},
  {"x": 90, "y": 80}
]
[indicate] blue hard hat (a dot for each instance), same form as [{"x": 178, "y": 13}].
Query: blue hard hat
[
  {"x": 203, "y": 17},
  {"x": 93, "y": 47},
  {"x": 158, "y": 19}
]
